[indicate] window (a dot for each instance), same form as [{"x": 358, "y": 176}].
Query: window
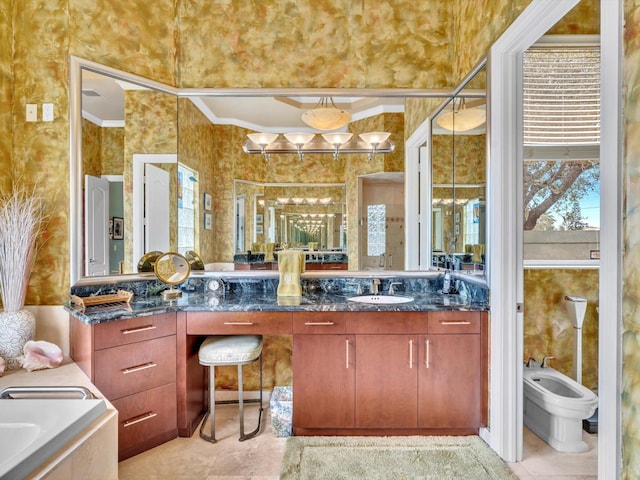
[
  {"x": 187, "y": 209},
  {"x": 376, "y": 225},
  {"x": 561, "y": 122}
]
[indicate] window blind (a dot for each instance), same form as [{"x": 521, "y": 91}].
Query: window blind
[{"x": 561, "y": 95}]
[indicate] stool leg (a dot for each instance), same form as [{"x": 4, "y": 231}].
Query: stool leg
[
  {"x": 252, "y": 434},
  {"x": 211, "y": 413}
]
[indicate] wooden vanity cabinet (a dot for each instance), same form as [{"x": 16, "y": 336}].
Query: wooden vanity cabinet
[
  {"x": 323, "y": 371},
  {"x": 133, "y": 363},
  {"x": 389, "y": 372}
]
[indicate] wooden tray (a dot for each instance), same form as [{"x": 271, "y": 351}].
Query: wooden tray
[{"x": 121, "y": 297}]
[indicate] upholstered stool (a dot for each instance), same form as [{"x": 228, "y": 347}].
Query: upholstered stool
[{"x": 230, "y": 350}]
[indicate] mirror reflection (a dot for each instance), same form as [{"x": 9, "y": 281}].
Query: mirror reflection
[
  {"x": 192, "y": 200},
  {"x": 458, "y": 212}
]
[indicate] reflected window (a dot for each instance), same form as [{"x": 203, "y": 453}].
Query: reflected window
[
  {"x": 376, "y": 224},
  {"x": 187, "y": 209},
  {"x": 561, "y": 121}
]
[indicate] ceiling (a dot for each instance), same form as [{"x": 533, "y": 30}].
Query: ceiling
[{"x": 103, "y": 104}]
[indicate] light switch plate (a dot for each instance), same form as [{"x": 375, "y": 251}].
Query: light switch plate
[
  {"x": 47, "y": 112},
  {"x": 32, "y": 112}
]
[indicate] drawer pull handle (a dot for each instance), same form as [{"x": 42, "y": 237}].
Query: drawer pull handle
[
  {"x": 347, "y": 353},
  {"x": 455, "y": 322},
  {"x": 321, "y": 324},
  {"x": 142, "y": 418},
  {"x": 238, "y": 323},
  {"x": 427, "y": 344},
  {"x": 410, "y": 353},
  {"x": 138, "y": 329},
  {"x": 137, "y": 368}
]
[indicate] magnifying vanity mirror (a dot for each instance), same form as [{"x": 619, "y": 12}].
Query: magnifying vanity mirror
[
  {"x": 189, "y": 149},
  {"x": 171, "y": 268}
]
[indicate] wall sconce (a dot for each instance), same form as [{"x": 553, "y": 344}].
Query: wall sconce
[
  {"x": 374, "y": 139},
  {"x": 299, "y": 140},
  {"x": 263, "y": 140},
  {"x": 337, "y": 139}
]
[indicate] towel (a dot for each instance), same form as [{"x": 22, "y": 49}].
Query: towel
[
  {"x": 290, "y": 265},
  {"x": 268, "y": 249},
  {"x": 478, "y": 250}
]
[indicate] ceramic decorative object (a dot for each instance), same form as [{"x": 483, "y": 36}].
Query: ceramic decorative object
[
  {"x": 22, "y": 218},
  {"x": 16, "y": 329}
]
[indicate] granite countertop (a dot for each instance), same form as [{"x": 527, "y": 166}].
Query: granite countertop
[{"x": 257, "y": 302}]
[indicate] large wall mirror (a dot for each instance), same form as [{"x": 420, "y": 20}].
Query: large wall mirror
[
  {"x": 164, "y": 170},
  {"x": 458, "y": 211}
]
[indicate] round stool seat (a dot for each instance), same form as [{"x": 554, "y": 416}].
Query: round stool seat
[{"x": 230, "y": 349}]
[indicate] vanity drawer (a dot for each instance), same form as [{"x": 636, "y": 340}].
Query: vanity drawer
[
  {"x": 132, "y": 368},
  {"x": 319, "y": 322},
  {"x": 146, "y": 419},
  {"x": 122, "y": 332},
  {"x": 225, "y": 323},
  {"x": 454, "y": 322},
  {"x": 387, "y": 322}
]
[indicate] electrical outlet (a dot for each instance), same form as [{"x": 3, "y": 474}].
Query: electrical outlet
[
  {"x": 32, "y": 112},
  {"x": 47, "y": 112}
]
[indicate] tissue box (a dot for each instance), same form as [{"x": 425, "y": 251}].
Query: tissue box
[{"x": 281, "y": 406}]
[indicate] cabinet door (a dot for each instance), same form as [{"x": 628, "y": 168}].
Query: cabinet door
[
  {"x": 323, "y": 381},
  {"x": 386, "y": 381},
  {"x": 449, "y": 394}
]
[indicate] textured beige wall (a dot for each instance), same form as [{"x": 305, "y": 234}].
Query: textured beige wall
[
  {"x": 6, "y": 92},
  {"x": 547, "y": 326},
  {"x": 631, "y": 239}
]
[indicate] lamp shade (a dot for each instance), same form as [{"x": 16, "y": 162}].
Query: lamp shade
[
  {"x": 463, "y": 119},
  {"x": 262, "y": 139},
  {"x": 326, "y": 116},
  {"x": 375, "y": 138},
  {"x": 301, "y": 138},
  {"x": 337, "y": 138}
]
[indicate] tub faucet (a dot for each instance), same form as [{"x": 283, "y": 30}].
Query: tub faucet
[
  {"x": 533, "y": 363},
  {"x": 544, "y": 361}
]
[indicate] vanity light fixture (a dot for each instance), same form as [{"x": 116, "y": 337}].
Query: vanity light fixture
[
  {"x": 267, "y": 144},
  {"x": 263, "y": 140},
  {"x": 374, "y": 139},
  {"x": 337, "y": 139},
  {"x": 326, "y": 116},
  {"x": 299, "y": 140},
  {"x": 463, "y": 119}
]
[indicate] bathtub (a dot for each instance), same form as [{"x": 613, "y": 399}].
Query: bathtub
[{"x": 32, "y": 430}]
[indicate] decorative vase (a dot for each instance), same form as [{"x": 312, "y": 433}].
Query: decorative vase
[{"x": 16, "y": 329}]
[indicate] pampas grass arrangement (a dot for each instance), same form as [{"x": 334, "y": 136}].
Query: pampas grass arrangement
[{"x": 22, "y": 221}]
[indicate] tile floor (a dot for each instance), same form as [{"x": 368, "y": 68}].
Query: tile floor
[{"x": 259, "y": 458}]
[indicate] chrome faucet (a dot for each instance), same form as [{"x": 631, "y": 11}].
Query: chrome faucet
[
  {"x": 533, "y": 363},
  {"x": 359, "y": 290},
  {"x": 391, "y": 290},
  {"x": 544, "y": 361},
  {"x": 375, "y": 283}
]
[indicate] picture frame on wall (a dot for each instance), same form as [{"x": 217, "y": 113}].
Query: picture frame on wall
[
  {"x": 111, "y": 228},
  {"x": 259, "y": 229},
  {"x": 118, "y": 228},
  {"x": 207, "y": 201},
  {"x": 207, "y": 221},
  {"x": 259, "y": 218}
]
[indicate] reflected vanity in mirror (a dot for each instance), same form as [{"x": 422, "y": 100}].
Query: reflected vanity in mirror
[
  {"x": 458, "y": 211},
  {"x": 200, "y": 160},
  {"x": 171, "y": 268}
]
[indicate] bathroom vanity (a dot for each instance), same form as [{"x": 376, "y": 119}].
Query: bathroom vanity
[{"x": 358, "y": 369}]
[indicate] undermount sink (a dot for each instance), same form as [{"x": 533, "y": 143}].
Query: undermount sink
[{"x": 381, "y": 299}]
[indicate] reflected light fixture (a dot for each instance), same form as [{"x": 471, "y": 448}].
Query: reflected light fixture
[
  {"x": 299, "y": 140},
  {"x": 463, "y": 119},
  {"x": 374, "y": 139},
  {"x": 337, "y": 143},
  {"x": 337, "y": 139},
  {"x": 263, "y": 140},
  {"x": 326, "y": 116}
]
